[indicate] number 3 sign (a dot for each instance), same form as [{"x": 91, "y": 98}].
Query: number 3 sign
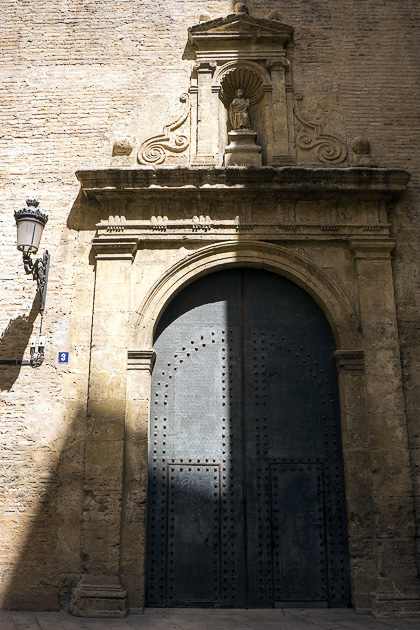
[{"x": 63, "y": 357}]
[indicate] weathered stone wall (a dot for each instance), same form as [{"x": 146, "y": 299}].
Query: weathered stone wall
[{"x": 75, "y": 76}]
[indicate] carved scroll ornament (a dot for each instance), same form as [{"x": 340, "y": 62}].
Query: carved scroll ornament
[
  {"x": 155, "y": 149},
  {"x": 310, "y": 137}
]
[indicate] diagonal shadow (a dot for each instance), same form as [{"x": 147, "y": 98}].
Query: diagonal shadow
[
  {"x": 44, "y": 551},
  {"x": 13, "y": 343}
]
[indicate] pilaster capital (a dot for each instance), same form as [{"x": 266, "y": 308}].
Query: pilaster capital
[
  {"x": 281, "y": 64},
  {"x": 372, "y": 249},
  {"x": 349, "y": 359},
  {"x": 205, "y": 66},
  {"x": 115, "y": 247},
  {"x": 141, "y": 360}
]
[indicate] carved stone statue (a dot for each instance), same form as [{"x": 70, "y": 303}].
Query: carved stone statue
[{"x": 238, "y": 112}]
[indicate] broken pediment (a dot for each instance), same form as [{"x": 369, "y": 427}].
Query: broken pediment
[{"x": 222, "y": 33}]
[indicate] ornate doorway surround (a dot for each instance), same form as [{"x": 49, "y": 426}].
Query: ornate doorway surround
[
  {"x": 338, "y": 249},
  {"x": 245, "y": 178}
]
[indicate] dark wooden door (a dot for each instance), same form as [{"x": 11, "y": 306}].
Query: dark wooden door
[{"x": 246, "y": 490}]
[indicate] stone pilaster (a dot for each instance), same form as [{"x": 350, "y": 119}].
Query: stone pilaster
[
  {"x": 397, "y": 589},
  {"x": 133, "y": 554},
  {"x": 355, "y": 436},
  {"x": 100, "y": 593},
  {"x": 279, "y": 140},
  {"x": 193, "y": 123},
  {"x": 205, "y": 126}
]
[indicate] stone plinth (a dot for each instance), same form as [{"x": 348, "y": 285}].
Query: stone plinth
[
  {"x": 99, "y": 596},
  {"x": 242, "y": 150}
]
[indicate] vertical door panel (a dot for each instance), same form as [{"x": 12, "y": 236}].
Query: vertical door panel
[
  {"x": 291, "y": 417},
  {"x": 194, "y": 429}
]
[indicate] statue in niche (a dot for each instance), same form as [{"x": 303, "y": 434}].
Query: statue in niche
[{"x": 238, "y": 112}]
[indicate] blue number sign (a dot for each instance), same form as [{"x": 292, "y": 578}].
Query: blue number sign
[{"x": 63, "y": 357}]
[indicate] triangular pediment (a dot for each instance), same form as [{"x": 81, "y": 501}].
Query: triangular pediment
[{"x": 240, "y": 24}]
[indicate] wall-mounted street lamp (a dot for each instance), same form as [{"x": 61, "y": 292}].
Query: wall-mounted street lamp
[{"x": 30, "y": 222}]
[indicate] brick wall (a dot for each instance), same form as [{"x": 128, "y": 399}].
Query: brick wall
[{"x": 75, "y": 74}]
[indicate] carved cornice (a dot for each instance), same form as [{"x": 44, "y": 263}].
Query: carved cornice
[
  {"x": 349, "y": 359},
  {"x": 231, "y": 180},
  {"x": 239, "y": 36},
  {"x": 215, "y": 204},
  {"x": 115, "y": 247},
  {"x": 219, "y": 33},
  {"x": 141, "y": 360}
]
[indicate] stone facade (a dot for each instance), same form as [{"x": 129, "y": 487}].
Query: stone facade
[{"x": 133, "y": 98}]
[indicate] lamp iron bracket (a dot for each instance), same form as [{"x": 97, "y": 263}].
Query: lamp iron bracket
[{"x": 39, "y": 271}]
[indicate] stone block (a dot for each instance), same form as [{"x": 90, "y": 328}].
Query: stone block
[
  {"x": 105, "y": 598},
  {"x": 104, "y": 461},
  {"x": 242, "y": 150}
]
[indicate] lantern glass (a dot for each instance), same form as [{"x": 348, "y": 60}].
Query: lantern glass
[{"x": 29, "y": 232}]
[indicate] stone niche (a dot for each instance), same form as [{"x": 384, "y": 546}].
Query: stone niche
[{"x": 241, "y": 52}]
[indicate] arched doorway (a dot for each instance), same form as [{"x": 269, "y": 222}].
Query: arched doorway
[{"x": 246, "y": 490}]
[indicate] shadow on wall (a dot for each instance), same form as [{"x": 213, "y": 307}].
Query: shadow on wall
[
  {"x": 84, "y": 214},
  {"x": 13, "y": 343},
  {"x": 42, "y": 480},
  {"x": 42, "y": 522}
]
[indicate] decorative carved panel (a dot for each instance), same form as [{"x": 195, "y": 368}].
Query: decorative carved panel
[{"x": 155, "y": 150}]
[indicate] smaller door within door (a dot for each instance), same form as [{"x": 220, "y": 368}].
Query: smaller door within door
[
  {"x": 193, "y": 571},
  {"x": 300, "y": 568}
]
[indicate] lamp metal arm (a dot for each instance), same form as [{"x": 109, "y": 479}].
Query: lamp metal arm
[{"x": 39, "y": 271}]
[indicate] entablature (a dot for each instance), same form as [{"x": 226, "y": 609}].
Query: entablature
[{"x": 217, "y": 203}]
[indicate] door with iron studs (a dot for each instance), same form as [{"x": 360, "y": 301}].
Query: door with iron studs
[{"x": 246, "y": 502}]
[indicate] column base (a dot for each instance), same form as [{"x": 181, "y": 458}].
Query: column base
[
  {"x": 396, "y": 604},
  {"x": 99, "y": 600}
]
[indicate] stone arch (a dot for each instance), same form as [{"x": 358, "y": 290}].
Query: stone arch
[
  {"x": 349, "y": 360},
  {"x": 327, "y": 294},
  {"x": 252, "y": 78},
  {"x": 251, "y": 66}
]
